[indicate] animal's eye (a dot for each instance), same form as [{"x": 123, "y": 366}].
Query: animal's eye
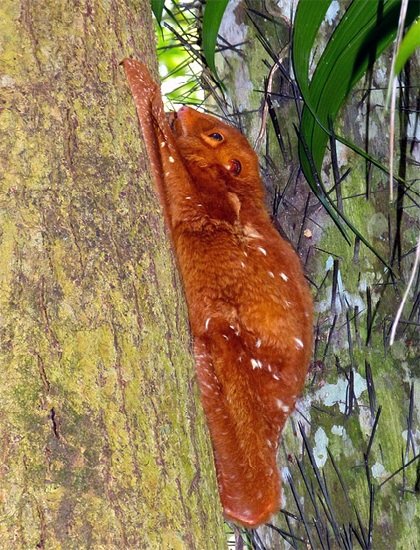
[
  {"x": 216, "y": 136},
  {"x": 234, "y": 167}
]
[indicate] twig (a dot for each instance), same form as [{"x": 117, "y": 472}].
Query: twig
[
  {"x": 393, "y": 89},
  {"x": 269, "y": 87},
  {"x": 407, "y": 291}
]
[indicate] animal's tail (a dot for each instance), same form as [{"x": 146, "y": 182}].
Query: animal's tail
[{"x": 245, "y": 421}]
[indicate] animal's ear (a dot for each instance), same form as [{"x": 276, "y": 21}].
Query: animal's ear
[{"x": 234, "y": 166}]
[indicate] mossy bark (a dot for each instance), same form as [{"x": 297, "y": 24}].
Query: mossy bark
[{"x": 103, "y": 444}]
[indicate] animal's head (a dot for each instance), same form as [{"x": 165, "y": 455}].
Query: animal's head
[{"x": 207, "y": 143}]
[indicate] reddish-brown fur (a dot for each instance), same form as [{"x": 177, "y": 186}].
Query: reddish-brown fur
[{"x": 249, "y": 305}]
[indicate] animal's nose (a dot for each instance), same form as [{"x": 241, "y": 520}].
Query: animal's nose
[{"x": 183, "y": 109}]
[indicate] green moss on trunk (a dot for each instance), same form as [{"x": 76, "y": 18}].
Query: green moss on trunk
[{"x": 102, "y": 442}]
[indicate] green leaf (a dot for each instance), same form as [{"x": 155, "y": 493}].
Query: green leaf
[
  {"x": 410, "y": 42},
  {"x": 365, "y": 30},
  {"x": 309, "y": 16},
  {"x": 360, "y": 37},
  {"x": 212, "y": 18},
  {"x": 157, "y": 8}
]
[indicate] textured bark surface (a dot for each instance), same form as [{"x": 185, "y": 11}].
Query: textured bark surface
[
  {"x": 103, "y": 444},
  {"x": 355, "y": 370}
]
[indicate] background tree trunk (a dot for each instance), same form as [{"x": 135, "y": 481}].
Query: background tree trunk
[
  {"x": 102, "y": 442},
  {"x": 355, "y": 371}
]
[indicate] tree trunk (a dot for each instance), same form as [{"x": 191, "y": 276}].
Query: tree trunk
[
  {"x": 338, "y": 482},
  {"x": 103, "y": 444}
]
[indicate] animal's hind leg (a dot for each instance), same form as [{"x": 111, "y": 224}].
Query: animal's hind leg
[{"x": 244, "y": 453}]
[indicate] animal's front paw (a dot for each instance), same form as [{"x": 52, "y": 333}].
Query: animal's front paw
[{"x": 142, "y": 85}]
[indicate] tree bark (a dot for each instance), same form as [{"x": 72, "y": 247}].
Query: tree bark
[{"x": 103, "y": 444}]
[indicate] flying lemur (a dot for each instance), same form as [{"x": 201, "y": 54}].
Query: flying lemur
[{"x": 249, "y": 305}]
